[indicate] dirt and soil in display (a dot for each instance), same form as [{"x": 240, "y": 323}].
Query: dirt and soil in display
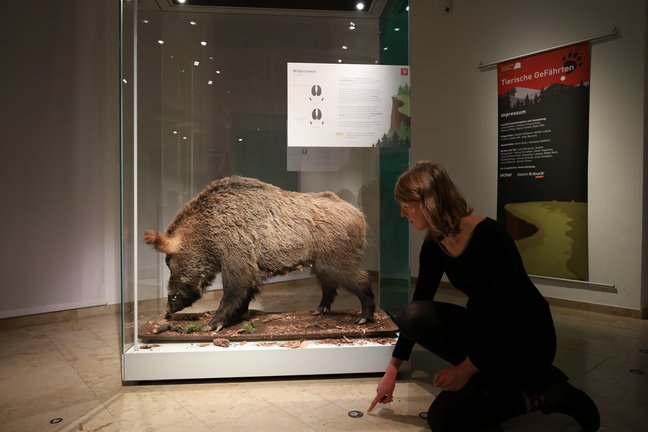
[{"x": 337, "y": 327}]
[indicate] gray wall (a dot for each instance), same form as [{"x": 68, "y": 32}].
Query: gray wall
[
  {"x": 59, "y": 155},
  {"x": 446, "y": 49}
]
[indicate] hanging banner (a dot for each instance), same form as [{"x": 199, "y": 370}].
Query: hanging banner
[
  {"x": 543, "y": 122},
  {"x": 348, "y": 105}
]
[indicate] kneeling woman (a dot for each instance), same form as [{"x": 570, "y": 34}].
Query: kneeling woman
[{"x": 502, "y": 344}]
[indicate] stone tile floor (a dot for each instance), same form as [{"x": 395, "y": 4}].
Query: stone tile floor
[{"x": 70, "y": 370}]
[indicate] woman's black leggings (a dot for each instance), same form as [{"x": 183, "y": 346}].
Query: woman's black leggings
[{"x": 442, "y": 329}]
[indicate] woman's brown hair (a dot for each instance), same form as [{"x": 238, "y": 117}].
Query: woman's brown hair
[{"x": 442, "y": 204}]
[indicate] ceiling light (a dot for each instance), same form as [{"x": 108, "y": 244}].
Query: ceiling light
[
  {"x": 196, "y": 63},
  {"x": 210, "y": 82},
  {"x": 360, "y": 6},
  {"x": 344, "y": 47},
  {"x": 181, "y": 1},
  {"x": 160, "y": 41},
  {"x": 203, "y": 43},
  {"x": 192, "y": 22},
  {"x": 397, "y": 29}
]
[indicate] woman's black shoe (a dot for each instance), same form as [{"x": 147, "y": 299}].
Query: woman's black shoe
[{"x": 564, "y": 398}]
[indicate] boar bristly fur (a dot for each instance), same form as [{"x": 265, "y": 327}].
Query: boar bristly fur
[{"x": 248, "y": 231}]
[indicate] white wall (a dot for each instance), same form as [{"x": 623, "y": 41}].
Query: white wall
[
  {"x": 59, "y": 155},
  {"x": 446, "y": 49}
]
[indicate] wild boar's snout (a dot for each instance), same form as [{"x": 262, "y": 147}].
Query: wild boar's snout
[
  {"x": 183, "y": 291},
  {"x": 172, "y": 304}
]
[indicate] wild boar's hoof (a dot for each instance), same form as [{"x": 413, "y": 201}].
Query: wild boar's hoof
[
  {"x": 214, "y": 326},
  {"x": 321, "y": 311},
  {"x": 365, "y": 319}
]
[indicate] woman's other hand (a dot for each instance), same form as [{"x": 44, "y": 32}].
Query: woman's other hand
[{"x": 453, "y": 378}]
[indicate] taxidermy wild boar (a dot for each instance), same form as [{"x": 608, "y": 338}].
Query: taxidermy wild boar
[{"x": 248, "y": 231}]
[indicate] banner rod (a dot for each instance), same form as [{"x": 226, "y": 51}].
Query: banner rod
[
  {"x": 613, "y": 33},
  {"x": 604, "y": 287}
]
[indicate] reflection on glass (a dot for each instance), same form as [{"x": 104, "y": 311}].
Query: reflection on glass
[{"x": 211, "y": 102}]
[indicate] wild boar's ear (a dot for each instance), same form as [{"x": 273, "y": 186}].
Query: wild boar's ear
[{"x": 161, "y": 242}]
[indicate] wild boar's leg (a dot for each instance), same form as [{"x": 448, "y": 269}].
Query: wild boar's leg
[
  {"x": 363, "y": 290},
  {"x": 352, "y": 279},
  {"x": 241, "y": 282},
  {"x": 329, "y": 291}
]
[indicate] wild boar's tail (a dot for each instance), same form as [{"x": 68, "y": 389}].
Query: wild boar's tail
[{"x": 161, "y": 242}]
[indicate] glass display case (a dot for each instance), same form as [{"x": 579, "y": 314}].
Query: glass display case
[{"x": 205, "y": 96}]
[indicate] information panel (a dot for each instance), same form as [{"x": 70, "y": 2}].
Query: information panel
[{"x": 348, "y": 105}]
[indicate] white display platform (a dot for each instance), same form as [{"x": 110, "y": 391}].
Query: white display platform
[{"x": 197, "y": 360}]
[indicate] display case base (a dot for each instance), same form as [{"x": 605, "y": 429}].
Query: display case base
[{"x": 179, "y": 361}]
